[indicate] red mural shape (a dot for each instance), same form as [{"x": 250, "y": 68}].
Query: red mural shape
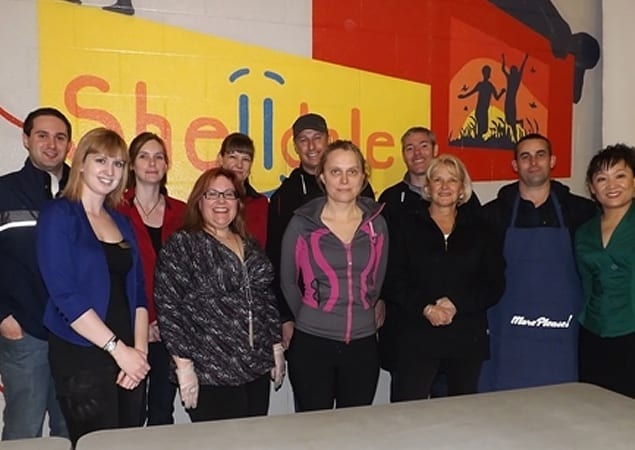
[{"x": 448, "y": 44}]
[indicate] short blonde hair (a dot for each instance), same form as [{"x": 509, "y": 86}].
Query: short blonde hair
[
  {"x": 104, "y": 141},
  {"x": 455, "y": 167}
]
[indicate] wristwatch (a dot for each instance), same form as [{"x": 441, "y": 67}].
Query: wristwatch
[{"x": 111, "y": 344}]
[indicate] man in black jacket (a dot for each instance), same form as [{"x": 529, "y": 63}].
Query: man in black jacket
[
  {"x": 310, "y": 139},
  {"x": 28, "y": 387},
  {"x": 418, "y": 147},
  {"x": 533, "y": 329}
]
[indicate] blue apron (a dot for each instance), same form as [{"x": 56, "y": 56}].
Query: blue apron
[{"x": 533, "y": 330}]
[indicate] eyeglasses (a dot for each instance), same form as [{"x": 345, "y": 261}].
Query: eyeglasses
[{"x": 215, "y": 195}]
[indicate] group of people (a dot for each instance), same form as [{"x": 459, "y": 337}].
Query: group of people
[{"x": 113, "y": 294}]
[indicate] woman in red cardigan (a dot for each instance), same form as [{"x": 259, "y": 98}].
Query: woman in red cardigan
[
  {"x": 154, "y": 216},
  {"x": 237, "y": 154}
]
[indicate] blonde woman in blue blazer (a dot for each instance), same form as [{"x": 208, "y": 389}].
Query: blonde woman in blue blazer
[{"x": 96, "y": 311}]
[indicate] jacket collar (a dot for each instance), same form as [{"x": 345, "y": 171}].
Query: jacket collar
[
  {"x": 313, "y": 209},
  {"x": 43, "y": 177}
]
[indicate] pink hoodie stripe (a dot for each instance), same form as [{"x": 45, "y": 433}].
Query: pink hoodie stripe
[
  {"x": 303, "y": 264},
  {"x": 324, "y": 266}
]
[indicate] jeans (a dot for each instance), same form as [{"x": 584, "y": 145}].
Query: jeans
[
  {"x": 29, "y": 391},
  {"x": 161, "y": 392}
]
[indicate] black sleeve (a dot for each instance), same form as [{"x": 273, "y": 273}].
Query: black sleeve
[
  {"x": 277, "y": 221},
  {"x": 402, "y": 285},
  {"x": 488, "y": 284},
  {"x": 494, "y": 217}
]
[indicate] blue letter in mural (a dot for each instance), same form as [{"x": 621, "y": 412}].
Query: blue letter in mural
[{"x": 267, "y": 111}]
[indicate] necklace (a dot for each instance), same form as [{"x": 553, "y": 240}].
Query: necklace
[
  {"x": 232, "y": 242},
  {"x": 147, "y": 214}
]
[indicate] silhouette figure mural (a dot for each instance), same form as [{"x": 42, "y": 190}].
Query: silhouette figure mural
[
  {"x": 526, "y": 106},
  {"x": 513, "y": 77},
  {"x": 485, "y": 90},
  {"x": 499, "y": 118}
]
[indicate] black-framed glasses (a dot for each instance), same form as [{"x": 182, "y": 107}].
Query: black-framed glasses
[{"x": 215, "y": 195}]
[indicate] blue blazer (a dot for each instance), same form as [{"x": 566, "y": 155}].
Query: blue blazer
[{"x": 74, "y": 267}]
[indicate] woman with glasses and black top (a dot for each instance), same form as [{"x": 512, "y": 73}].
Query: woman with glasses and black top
[{"x": 217, "y": 313}]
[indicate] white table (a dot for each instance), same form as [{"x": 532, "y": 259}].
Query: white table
[
  {"x": 568, "y": 416},
  {"x": 45, "y": 443}
]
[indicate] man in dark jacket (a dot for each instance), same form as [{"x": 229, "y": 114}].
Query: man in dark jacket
[
  {"x": 533, "y": 329},
  {"x": 310, "y": 139},
  {"x": 28, "y": 387},
  {"x": 418, "y": 148}
]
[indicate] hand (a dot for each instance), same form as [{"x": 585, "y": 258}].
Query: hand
[
  {"x": 446, "y": 303},
  {"x": 437, "y": 316},
  {"x": 153, "y": 332},
  {"x": 188, "y": 383},
  {"x": 10, "y": 328},
  {"x": 278, "y": 370},
  {"x": 125, "y": 381},
  {"x": 380, "y": 313},
  {"x": 132, "y": 361},
  {"x": 287, "y": 333}
]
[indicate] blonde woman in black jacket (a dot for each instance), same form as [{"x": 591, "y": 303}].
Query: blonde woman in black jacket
[{"x": 445, "y": 269}]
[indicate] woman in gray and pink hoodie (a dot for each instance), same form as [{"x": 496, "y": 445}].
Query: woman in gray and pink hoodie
[{"x": 334, "y": 255}]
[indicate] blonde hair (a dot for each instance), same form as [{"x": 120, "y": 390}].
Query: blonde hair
[
  {"x": 348, "y": 146},
  {"x": 103, "y": 141},
  {"x": 456, "y": 167}
]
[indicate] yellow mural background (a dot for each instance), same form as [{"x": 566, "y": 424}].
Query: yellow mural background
[{"x": 95, "y": 65}]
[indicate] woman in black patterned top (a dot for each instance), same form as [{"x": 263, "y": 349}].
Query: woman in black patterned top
[{"x": 215, "y": 305}]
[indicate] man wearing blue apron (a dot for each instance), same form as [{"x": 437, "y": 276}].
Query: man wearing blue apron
[{"x": 533, "y": 329}]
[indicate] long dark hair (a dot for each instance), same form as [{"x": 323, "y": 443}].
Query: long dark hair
[{"x": 135, "y": 146}]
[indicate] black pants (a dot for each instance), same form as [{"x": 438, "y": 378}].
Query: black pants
[
  {"x": 232, "y": 402},
  {"x": 91, "y": 401},
  {"x": 161, "y": 392},
  {"x": 415, "y": 374},
  {"x": 608, "y": 362},
  {"x": 324, "y": 371}
]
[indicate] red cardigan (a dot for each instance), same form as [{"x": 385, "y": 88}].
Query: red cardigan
[
  {"x": 172, "y": 221},
  {"x": 256, "y": 212}
]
